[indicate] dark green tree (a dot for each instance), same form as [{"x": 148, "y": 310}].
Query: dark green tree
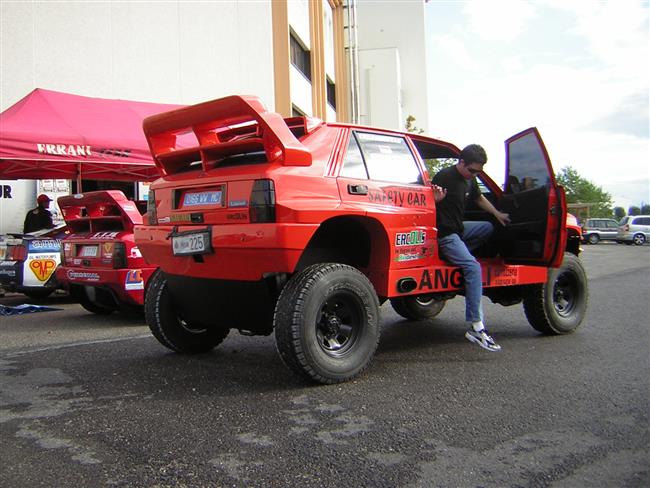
[
  {"x": 645, "y": 209},
  {"x": 634, "y": 210},
  {"x": 581, "y": 190},
  {"x": 619, "y": 212}
]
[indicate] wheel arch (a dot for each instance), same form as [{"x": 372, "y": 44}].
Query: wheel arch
[{"x": 358, "y": 241}]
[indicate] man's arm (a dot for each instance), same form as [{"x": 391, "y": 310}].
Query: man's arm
[{"x": 485, "y": 204}]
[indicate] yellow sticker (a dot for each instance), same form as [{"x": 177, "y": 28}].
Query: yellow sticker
[{"x": 42, "y": 268}]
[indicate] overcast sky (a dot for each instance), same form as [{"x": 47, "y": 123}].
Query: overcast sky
[{"x": 576, "y": 70}]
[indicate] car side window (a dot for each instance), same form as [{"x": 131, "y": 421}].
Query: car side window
[
  {"x": 388, "y": 158},
  {"x": 612, "y": 224},
  {"x": 353, "y": 166},
  {"x": 527, "y": 167}
]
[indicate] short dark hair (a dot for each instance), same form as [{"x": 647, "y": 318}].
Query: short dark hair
[{"x": 473, "y": 154}]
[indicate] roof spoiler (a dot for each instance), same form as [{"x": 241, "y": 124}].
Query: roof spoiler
[
  {"x": 99, "y": 210},
  {"x": 224, "y": 127}
]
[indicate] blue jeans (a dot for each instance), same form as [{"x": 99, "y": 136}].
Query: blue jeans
[{"x": 457, "y": 251}]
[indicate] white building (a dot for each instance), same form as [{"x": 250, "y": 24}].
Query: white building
[{"x": 297, "y": 55}]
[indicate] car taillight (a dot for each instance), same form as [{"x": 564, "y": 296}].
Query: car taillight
[
  {"x": 119, "y": 255},
  {"x": 152, "y": 216},
  {"x": 17, "y": 253},
  {"x": 262, "y": 202}
]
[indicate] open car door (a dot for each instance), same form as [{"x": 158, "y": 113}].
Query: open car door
[{"x": 535, "y": 202}]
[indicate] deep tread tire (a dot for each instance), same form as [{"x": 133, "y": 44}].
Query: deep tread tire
[
  {"x": 327, "y": 323},
  {"x": 170, "y": 330},
  {"x": 417, "y": 307},
  {"x": 559, "y": 305},
  {"x": 593, "y": 238}
]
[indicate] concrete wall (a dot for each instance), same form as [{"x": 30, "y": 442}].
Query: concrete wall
[{"x": 398, "y": 27}]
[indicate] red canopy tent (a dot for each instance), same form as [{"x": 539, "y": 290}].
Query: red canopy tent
[{"x": 54, "y": 135}]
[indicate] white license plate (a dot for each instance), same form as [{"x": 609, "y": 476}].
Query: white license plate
[
  {"x": 88, "y": 252},
  {"x": 196, "y": 243}
]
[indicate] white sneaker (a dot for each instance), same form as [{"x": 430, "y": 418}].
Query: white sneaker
[{"x": 482, "y": 339}]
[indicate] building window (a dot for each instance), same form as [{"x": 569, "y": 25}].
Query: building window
[
  {"x": 300, "y": 57},
  {"x": 296, "y": 112},
  {"x": 331, "y": 93}
]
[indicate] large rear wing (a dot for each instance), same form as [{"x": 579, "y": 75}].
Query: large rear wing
[
  {"x": 96, "y": 211},
  {"x": 225, "y": 127}
]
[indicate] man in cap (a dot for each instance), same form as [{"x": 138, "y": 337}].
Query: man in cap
[{"x": 40, "y": 217}]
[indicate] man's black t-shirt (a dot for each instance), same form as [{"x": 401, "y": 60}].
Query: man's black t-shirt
[
  {"x": 450, "y": 210},
  {"x": 36, "y": 219}
]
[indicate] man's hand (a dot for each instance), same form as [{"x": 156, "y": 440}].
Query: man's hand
[
  {"x": 438, "y": 193},
  {"x": 503, "y": 218}
]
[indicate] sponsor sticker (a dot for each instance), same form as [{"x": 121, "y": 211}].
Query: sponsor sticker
[
  {"x": 135, "y": 252},
  {"x": 413, "y": 238},
  {"x": 45, "y": 245},
  {"x": 104, "y": 235},
  {"x": 82, "y": 275},
  {"x": 42, "y": 268},
  {"x": 133, "y": 280}
]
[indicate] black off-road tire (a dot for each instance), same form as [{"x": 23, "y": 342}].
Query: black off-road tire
[
  {"x": 417, "y": 307},
  {"x": 170, "y": 329},
  {"x": 327, "y": 323},
  {"x": 559, "y": 305}
]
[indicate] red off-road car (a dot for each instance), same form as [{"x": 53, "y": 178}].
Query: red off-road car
[
  {"x": 304, "y": 228},
  {"x": 100, "y": 262}
]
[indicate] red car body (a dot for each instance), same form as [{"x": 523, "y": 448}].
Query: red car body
[
  {"x": 100, "y": 262},
  {"x": 261, "y": 198}
]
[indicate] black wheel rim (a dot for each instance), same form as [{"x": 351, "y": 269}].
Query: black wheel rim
[
  {"x": 339, "y": 323},
  {"x": 566, "y": 292}
]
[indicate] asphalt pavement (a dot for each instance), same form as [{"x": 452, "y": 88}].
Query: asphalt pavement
[{"x": 90, "y": 400}]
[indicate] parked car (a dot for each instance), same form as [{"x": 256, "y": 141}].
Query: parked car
[
  {"x": 28, "y": 261},
  {"x": 303, "y": 228},
  {"x": 634, "y": 229},
  {"x": 596, "y": 230},
  {"x": 100, "y": 262}
]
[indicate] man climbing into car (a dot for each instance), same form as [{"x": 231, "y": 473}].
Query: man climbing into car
[
  {"x": 40, "y": 217},
  {"x": 452, "y": 187}
]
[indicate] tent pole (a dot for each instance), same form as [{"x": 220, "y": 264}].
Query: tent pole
[{"x": 79, "y": 189}]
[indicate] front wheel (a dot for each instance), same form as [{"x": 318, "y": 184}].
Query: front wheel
[
  {"x": 327, "y": 323},
  {"x": 593, "y": 239},
  {"x": 417, "y": 307},
  {"x": 559, "y": 305},
  {"x": 638, "y": 239},
  {"x": 170, "y": 329}
]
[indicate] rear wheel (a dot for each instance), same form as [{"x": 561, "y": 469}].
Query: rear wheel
[
  {"x": 638, "y": 239},
  {"x": 170, "y": 329},
  {"x": 417, "y": 307},
  {"x": 39, "y": 294},
  {"x": 327, "y": 323},
  {"x": 593, "y": 239},
  {"x": 559, "y": 305},
  {"x": 86, "y": 296}
]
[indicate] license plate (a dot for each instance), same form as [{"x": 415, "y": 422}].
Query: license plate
[
  {"x": 202, "y": 198},
  {"x": 195, "y": 243},
  {"x": 88, "y": 252}
]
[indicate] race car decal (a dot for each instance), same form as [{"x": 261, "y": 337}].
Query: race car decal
[
  {"x": 133, "y": 280},
  {"x": 410, "y": 238},
  {"x": 42, "y": 268},
  {"x": 104, "y": 235},
  {"x": 397, "y": 197},
  {"x": 82, "y": 275},
  {"x": 45, "y": 245}
]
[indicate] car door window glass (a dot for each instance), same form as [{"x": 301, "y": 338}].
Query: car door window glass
[
  {"x": 353, "y": 166},
  {"x": 526, "y": 165},
  {"x": 388, "y": 158}
]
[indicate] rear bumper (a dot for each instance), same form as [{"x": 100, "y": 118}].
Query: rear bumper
[
  {"x": 239, "y": 252},
  {"x": 126, "y": 285}
]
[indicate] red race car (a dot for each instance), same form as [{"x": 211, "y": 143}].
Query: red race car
[
  {"x": 100, "y": 262},
  {"x": 304, "y": 228}
]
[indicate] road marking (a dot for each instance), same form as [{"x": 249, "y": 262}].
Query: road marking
[{"x": 54, "y": 347}]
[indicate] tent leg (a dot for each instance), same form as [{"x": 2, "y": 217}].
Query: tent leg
[{"x": 79, "y": 189}]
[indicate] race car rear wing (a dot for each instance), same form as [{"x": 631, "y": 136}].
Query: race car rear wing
[
  {"x": 99, "y": 211},
  {"x": 224, "y": 127}
]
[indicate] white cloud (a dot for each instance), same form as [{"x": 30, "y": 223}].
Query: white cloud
[{"x": 499, "y": 20}]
